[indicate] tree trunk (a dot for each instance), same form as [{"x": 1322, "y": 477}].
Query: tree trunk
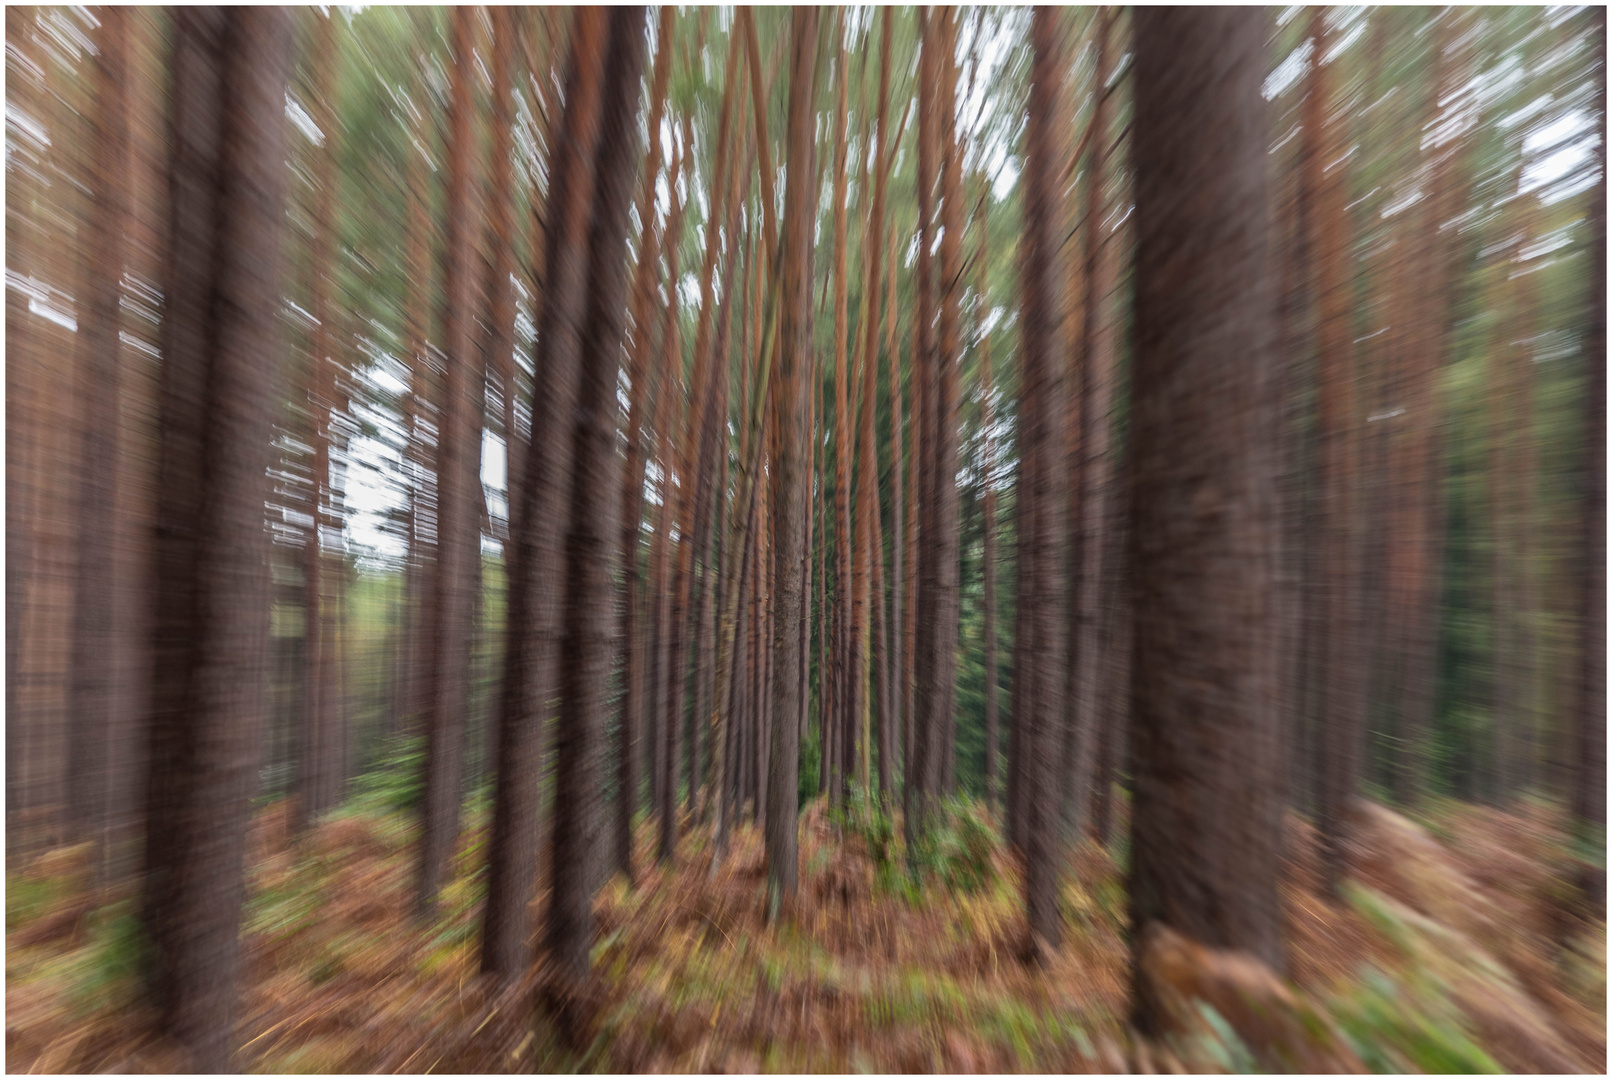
[
  {"x": 538, "y": 517},
  {"x": 220, "y": 336},
  {"x": 919, "y": 786},
  {"x": 1205, "y": 821},
  {"x": 1588, "y": 801},
  {"x": 988, "y": 510},
  {"x": 1037, "y": 684},
  {"x": 788, "y": 490},
  {"x": 632, "y": 500},
  {"x": 588, "y": 645},
  {"x": 91, "y": 685},
  {"x": 1342, "y": 700},
  {"x": 1095, "y": 395},
  {"x": 448, "y": 687},
  {"x": 939, "y": 593}
]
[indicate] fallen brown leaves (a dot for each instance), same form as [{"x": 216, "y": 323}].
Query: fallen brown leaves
[{"x": 689, "y": 977}]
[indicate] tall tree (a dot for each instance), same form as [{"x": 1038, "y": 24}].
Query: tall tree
[
  {"x": 1037, "y": 686},
  {"x": 788, "y": 468},
  {"x": 588, "y": 646},
  {"x": 1588, "y": 802},
  {"x": 91, "y": 686},
  {"x": 987, "y": 507},
  {"x": 632, "y": 503},
  {"x": 1093, "y": 393},
  {"x": 226, "y": 164},
  {"x": 938, "y": 564},
  {"x": 538, "y": 517},
  {"x": 458, "y": 482},
  {"x": 315, "y": 763},
  {"x": 918, "y": 789},
  {"x": 846, "y": 654},
  {"x": 1342, "y": 697},
  {"x": 1206, "y": 811}
]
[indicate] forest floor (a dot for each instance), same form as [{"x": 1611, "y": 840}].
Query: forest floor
[{"x": 1457, "y": 948}]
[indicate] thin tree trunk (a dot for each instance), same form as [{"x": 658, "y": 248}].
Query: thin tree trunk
[
  {"x": 937, "y": 706},
  {"x": 1095, "y": 393},
  {"x": 91, "y": 683},
  {"x": 1588, "y": 800},
  {"x": 988, "y": 511},
  {"x": 788, "y": 489},
  {"x": 919, "y": 788},
  {"x": 1037, "y": 648},
  {"x": 632, "y": 503},
  {"x": 1342, "y": 719},
  {"x": 448, "y": 688},
  {"x": 220, "y": 334}
]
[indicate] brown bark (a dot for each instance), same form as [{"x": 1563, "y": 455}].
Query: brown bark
[
  {"x": 539, "y": 516},
  {"x": 588, "y": 645},
  {"x": 938, "y": 573},
  {"x": 788, "y": 489},
  {"x": 1342, "y": 718},
  {"x": 226, "y": 182},
  {"x": 919, "y": 786},
  {"x": 694, "y": 462},
  {"x": 1094, "y": 390},
  {"x": 988, "y": 511},
  {"x": 448, "y": 683},
  {"x": 91, "y": 685},
  {"x": 632, "y": 502},
  {"x": 314, "y": 776},
  {"x": 1206, "y": 818},
  {"x": 1037, "y": 644},
  {"x": 1588, "y": 798},
  {"x": 846, "y": 653}
]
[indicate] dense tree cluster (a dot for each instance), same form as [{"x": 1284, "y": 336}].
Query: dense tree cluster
[{"x": 1144, "y": 421}]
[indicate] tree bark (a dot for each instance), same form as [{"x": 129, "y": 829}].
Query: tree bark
[
  {"x": 220, "y": 337},
  {"x": 789, "y": 489},
  {"x": 538, "y": 517},
  {"x": 1342, "y": 701},
  {"x": 92, "y": 686},
  {"x": 1037, "y": 686},
  {"x": 588, "y": 645},
  {"x": 458, "y": 547},
  {"x": 1206, "y": 814}
]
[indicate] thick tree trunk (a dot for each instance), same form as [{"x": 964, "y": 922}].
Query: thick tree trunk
[
  {"x": 1206, "y": 820},
  {"x": 220, "y": 339},
  {"x": 588, "y": 645},
  {"x": 539, "y": 516}
]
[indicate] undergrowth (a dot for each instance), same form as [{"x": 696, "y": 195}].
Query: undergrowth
[{"x": 889, "y": 960}]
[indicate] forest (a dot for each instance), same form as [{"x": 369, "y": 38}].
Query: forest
[{"x": 864, "y": 539}]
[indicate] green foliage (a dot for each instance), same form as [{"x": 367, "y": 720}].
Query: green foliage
[
  {"x": 811, "y": 764},
  {"x": 115, "y": 958},
  {"x": 396, "y": 783},
  {"x": 955, "y": 849},
  {"x": 1394, "y": 1028}
]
